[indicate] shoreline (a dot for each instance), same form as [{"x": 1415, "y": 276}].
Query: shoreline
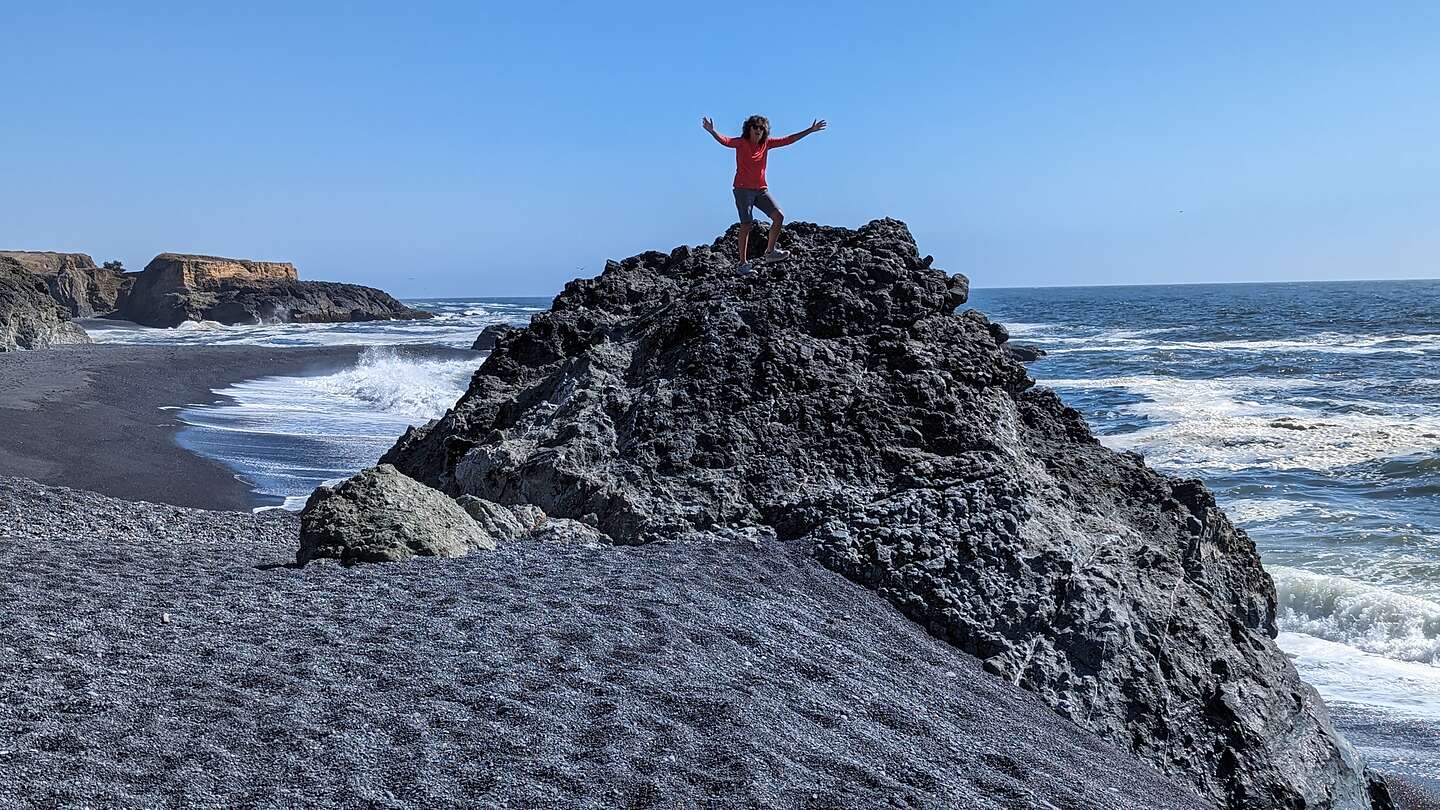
[{"x": 91, "y": 418}]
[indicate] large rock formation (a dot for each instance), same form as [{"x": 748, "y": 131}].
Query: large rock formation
[
  {"x": 840, "y": 399},
  {"x": 73, "y": 280},
  {"x": 29, "y": 317},
  {"x": 175, "y": 288}
]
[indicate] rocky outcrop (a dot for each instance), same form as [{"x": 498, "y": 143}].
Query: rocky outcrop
[
  {"x": 839, "y": 398},
  {"x": 491, "y": 335},
  {"x": 1024, "y": 353},
  {"x": 527, "y": 522},
  {"x": 74, "y": 281},
  {"x": 380, "y": 515},
  {"x": 175, "y": 288},
  {"x": 29, "y": 317},
  {"x": 383, "y": 515}
]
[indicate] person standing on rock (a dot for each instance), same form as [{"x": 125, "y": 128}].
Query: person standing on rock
[{"x": 751, "y": 150}]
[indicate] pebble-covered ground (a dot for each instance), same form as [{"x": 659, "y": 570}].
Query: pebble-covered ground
[{"x": 155, "y": 656}]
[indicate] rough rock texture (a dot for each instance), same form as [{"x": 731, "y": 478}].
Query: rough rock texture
[
  {"x": 29, "y": 317},
  {"x": 491, "y": 335},
  {"x": 177, "y": 287},
  {"x": 839, "y": 399},
  {"x": 74, "y": 281},
  {"x": 380, "y": 515},
  {"x": 526, "y": 522},
  {"x": 1024, "y": 353}
]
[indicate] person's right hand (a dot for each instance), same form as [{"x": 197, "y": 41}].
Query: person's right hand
[{"x": 707, "y": 124}]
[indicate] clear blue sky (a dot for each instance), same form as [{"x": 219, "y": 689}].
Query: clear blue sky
[{"x": 498, "y": 149}]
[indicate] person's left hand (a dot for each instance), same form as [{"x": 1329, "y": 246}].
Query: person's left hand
[{"x": 818, "y": 125}]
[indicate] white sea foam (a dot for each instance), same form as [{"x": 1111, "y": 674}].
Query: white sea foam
[
  {"x": 1248, "y": 422},
  {"x": 1249, "y": 511},
  {"x": 1380, "y": 622},
  {"x": 390, "y": 383},
  {"x": 1117, "y": 340},
  {"x": 1029, "y": 329},
  {"x": 1342, "y": 672},
  {"x": 286, "y": 435},
  {"x": 455, "y": 324}
]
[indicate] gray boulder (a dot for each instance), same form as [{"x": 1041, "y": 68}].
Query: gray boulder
[
  {"x": 382, "y": 515},
  {"x": 497, "y": 521},
  {"x": 527, "y": 522},
  {"x": 29, "y": 317}
]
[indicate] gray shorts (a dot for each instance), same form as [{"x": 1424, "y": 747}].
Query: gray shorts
[{"x": 747, "y": 199}]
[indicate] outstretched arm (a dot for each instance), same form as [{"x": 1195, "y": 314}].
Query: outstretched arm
[
  {"x": 710, "y": 128},
  {"x": 789, "y": 139}
]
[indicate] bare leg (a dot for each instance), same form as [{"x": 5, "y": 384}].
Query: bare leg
[
  {"x": 744, "y": 240},
  {"x": 775, "y": 222}
]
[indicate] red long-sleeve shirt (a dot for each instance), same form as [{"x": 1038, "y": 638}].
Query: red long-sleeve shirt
[{"x": 750, "y": 159}]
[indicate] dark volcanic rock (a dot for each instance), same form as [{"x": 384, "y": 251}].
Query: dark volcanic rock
[
  {"x": 839, "y": 399},
  {"x": 73, "y": 280},
  {"x": 29, "y": 317},
  {"x": 1024, "y": 353},
  {"x": 380, "y": 515},
  {"x": 177, "y": 287},
  {"x": 492, "y": 335}
]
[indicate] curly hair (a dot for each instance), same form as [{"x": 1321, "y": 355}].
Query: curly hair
[{"x": 758, "y": 121}]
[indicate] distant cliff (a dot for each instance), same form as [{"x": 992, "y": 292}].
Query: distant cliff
[
  {"x": 74, "y": 281},
  {"x": 29, "y": 317},
  {"x": 176, "y": 287}
]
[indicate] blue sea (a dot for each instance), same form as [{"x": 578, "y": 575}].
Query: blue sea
[{"x": 1311, "y": 409}]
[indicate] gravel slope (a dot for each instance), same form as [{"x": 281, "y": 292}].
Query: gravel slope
[{"x": 714, "y": 674}]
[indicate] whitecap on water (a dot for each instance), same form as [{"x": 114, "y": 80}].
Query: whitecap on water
[
  {"x": 1356, "y": 614},
  {"x": 1255, "y": 422},
  {"x": 286, "y": 435},
  {"x": 1121, "y": 340}
]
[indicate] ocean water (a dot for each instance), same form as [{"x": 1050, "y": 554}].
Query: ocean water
[
  {"x": 1312, "y": 410},
  {"x": 284, "y": 436}
]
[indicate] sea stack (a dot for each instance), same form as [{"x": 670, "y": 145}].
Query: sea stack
[
  {"x": 840, "y": 400},
  {"x": 176, "y": 287}
]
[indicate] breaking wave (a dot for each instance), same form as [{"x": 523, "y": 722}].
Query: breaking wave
[{"x": 1380, "y": 622}]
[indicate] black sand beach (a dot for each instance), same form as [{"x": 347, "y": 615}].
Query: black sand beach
[
  {"x": 155, "y": 660},
  {"x": 90, "y": 417}
]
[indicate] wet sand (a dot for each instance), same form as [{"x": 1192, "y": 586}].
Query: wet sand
[{"x": 90, "y": 417}]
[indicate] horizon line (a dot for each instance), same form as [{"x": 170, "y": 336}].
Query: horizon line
[{"x": 1027, "y": 287}]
